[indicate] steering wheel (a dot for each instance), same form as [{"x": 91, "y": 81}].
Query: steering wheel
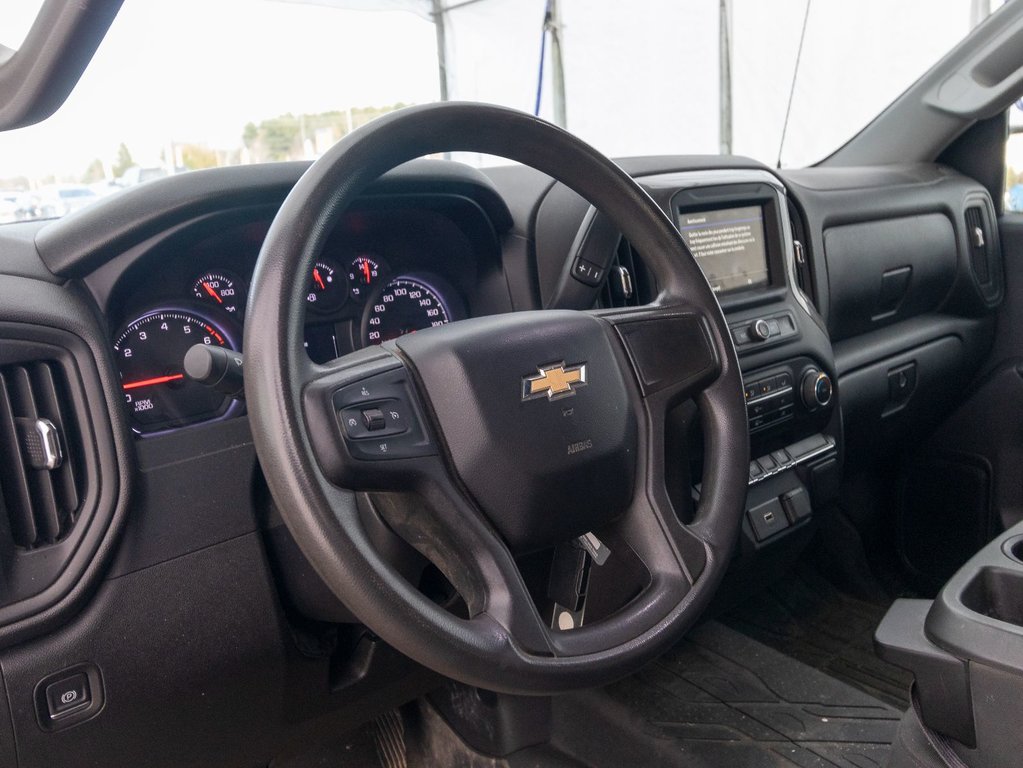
[{"x": 500, "y": 435}]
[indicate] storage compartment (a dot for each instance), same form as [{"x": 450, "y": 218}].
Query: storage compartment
[
  {"x": 996, "y": 593},
  {"x": 883, "y": 271},
  {"x": 882, "y": 402}
]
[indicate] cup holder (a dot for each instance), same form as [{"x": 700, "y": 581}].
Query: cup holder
[
  {"x": 997, "y": 593},
  {"x": 1013, "y": 548}
]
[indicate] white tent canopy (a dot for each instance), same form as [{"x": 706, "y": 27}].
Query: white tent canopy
[{"x": 648, "y": 76}]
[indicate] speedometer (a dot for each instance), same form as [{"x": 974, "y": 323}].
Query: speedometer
[
  {"x": 150, "y": 354},
  {"x": 404, "y": 305}
]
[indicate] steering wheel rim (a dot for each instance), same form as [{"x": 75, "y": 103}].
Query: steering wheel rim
[{"x": 503, "y": 646}]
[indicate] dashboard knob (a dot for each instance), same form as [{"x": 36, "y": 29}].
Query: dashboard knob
[
  {"x": 760, "y": 330},
  {"x": 816, "y": 389}
]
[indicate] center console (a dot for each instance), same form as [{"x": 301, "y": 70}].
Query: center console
[
  {"x": 737, "y": 224},
  {"x": 965, "y": 650}
]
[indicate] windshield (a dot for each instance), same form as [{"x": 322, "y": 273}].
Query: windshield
[{"x": 180, "y": 85}]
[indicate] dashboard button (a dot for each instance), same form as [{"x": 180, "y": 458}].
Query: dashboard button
[
  {"x": 68, "y": 695},
  {"x": 760, "y": 330},
  {"x": 796, "y": 504}
]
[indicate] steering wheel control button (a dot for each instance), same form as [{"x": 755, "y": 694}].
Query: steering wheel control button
[
  {"x": 378, "y": 419},
  {"x": 373, "y": 419},
  {"x": 68, "y": 697},
  {"x": 587, "y": 272}
]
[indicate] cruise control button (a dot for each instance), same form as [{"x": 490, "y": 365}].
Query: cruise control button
[
  {"x": 378, "y": 419},
  {"x": 373, "y": 419}
]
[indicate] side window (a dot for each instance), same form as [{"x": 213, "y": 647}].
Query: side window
[{"x": 1014, "y": 160}]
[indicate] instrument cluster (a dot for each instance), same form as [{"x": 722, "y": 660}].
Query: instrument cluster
[{"x": 356, "y": 297}]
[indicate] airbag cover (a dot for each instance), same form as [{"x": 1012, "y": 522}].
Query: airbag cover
[{"x": 546, "y": 460}]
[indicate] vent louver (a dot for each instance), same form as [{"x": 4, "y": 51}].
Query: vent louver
[
  {"x": 978, "y": 233},
  {"x": 38, "y": 441}
]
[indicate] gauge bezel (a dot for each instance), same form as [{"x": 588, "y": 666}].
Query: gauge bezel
[
  {"x": 204, "y": 299},
  {"x": 229, "y": 408},
  {"x": 382, "y": 278},
  {"x": 317, "y": 307},
  {"x": 441, "y": 288}
]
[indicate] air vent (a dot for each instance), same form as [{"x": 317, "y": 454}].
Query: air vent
[
  {"x": 804, "y": 270},
  {"x": 979, "y": 235},
  {"x": 621, "y": 289},
  {"x": 38, "y": 443}
]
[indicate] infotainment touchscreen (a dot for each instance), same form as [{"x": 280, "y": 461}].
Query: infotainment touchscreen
[{"x": 729, "y": 245}]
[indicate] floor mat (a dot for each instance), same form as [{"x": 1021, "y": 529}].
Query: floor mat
[
  {"x": 721, "y": 698},
  {"x": 805, "y": 617}
]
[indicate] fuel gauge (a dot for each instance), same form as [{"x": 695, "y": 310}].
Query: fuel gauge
[{"x": 328, "y": 288}]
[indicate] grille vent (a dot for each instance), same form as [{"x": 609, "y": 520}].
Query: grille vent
[{"x": 39, "y": 445}]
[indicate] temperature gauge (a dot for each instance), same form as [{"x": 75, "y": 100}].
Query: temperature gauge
[
  {"x": 218, "y": 288},
  {"x": 362, "y": 275},
  {"x": 328, "y": 288}
]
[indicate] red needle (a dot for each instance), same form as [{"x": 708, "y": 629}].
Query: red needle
[
  {"x": 212, "y": 292},
  {"x": 155, "y": 380},
  {"x": 365, "y": 270},
  {"x": 318, "y": 279}
]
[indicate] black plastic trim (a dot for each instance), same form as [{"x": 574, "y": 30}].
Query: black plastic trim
[{"x": 44, "y": 313}]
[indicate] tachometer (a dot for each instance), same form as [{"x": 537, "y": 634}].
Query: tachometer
[
  {"x": 150, "y": 354},
  {"x": 404, "y": 305}
]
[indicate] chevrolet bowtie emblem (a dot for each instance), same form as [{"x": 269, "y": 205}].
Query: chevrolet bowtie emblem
[{"x": 554, "y": 381}]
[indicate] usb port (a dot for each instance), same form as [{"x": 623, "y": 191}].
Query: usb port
[{"x": 768, "y": 517}]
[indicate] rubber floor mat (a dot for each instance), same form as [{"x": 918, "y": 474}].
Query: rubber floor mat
[
  {"x": 805, "y": 617},
  {"x": 722, "y": 699}
]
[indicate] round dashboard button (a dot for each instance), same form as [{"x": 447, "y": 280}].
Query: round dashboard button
[{"x": 760, "y": 330}]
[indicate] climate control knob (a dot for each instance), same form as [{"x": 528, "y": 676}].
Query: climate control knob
[{"x": 816, "y": 389}]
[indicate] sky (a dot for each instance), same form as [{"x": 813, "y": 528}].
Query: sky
[
  {"x": 199, "y": 70},
  {"x": 641, "y": 77}
]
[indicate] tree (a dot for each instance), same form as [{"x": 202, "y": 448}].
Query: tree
[
  {"x": 279, "y": 136},
  {"x": 123, "y": 162},
  {"x": 94, "y": 172},
  {"x": 194, "y": 157},
  {"x": 250, "y": 135}
]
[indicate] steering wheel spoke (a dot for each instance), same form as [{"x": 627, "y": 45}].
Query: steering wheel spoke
[{"x": 366, "y": 422}]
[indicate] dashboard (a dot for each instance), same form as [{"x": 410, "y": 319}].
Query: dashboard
[{"x": 857, "y": 300}]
